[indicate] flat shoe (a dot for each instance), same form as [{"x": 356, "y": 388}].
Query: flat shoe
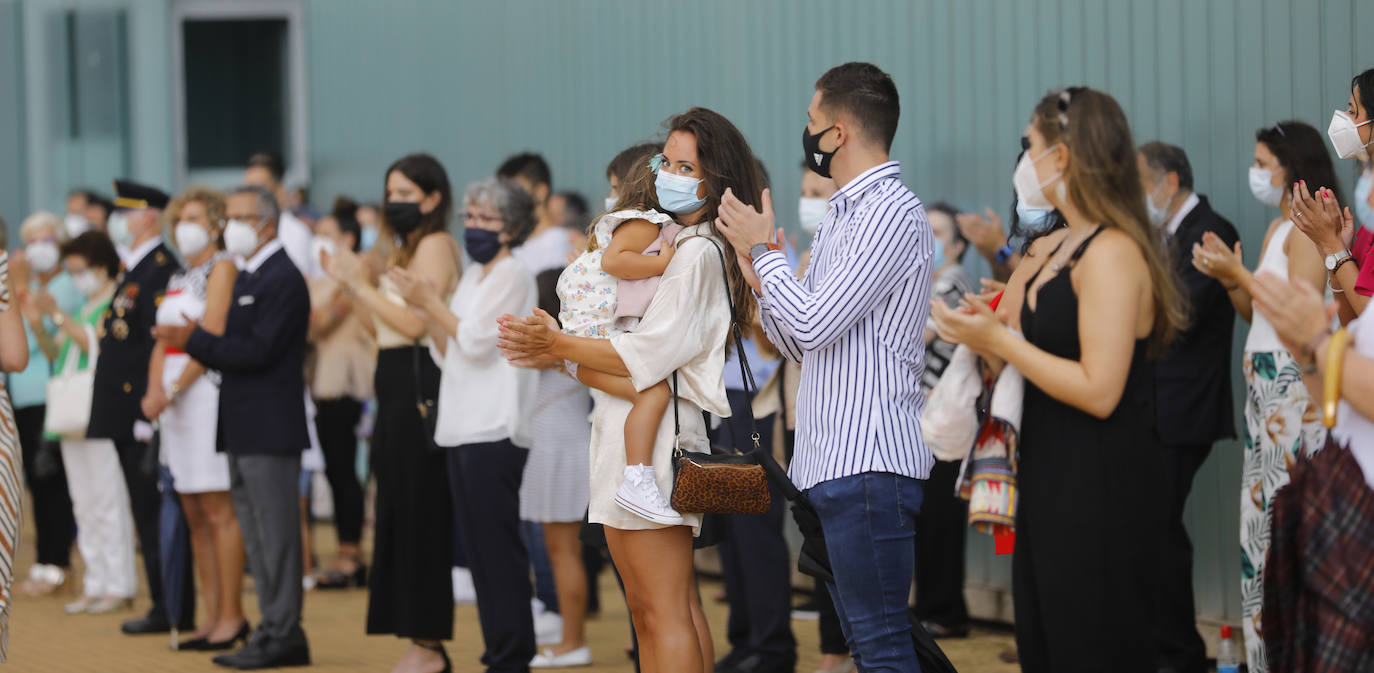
[{"x": 581, "y": 656}]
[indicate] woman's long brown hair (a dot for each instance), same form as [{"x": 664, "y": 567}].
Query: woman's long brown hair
[
  {"x": 726, "y": 160},
  {"x": 1103, "y": 183}
]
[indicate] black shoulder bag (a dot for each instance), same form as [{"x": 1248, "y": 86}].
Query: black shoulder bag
[{"x": 724, "y": 483}]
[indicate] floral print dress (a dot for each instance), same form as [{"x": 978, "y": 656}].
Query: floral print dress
[
  {"x": 1281, "y": 419},
  {"x": 587, "y": 293}
]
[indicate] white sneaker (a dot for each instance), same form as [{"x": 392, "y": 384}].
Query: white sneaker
[
  {"x": 548, "y": 628},
  {"x": 464, "y": 593},
  {"x": 639, "y": 495},
  {"x": 581, "y": 656},
  {"x": 108, "y": 604}
]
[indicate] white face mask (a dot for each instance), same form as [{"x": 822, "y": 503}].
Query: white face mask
[
  {"x": 1345, "y": 135},
  {"x": 191, "y": 238},
  {"x": 810, "y": 211},
  {"x": 610, "y": 203},
  {"x": 1261, "y": 187},
  {"x": 1158, "y": 214},
  {"x": 118, "y": 229},
  {"x": 240, "y": 238},
  {"x": 320, "y": 244},
  {"x": 1029, "y": 189},
  {"x": 75, "y": 225},
  {"x": 87, "y": 283},
  {"x": 42, "y": 255}
]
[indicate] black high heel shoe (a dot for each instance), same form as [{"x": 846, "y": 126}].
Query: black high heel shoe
[
  {"x": 448, "y": 665},
  {"x": 192, "y": 645},
  {"x": 336, "y": 579},
  {"x": 222, "y": 645}
]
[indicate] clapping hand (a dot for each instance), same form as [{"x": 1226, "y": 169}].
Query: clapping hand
[
  {"x": 528, "y": 341},
  {"x": 1215, "y": 260},
  {"x": 345, "y": 267},
  {"x": 743, "y": 226},
  {"x": 984, "y": 231},
  {"x": 417, "y": 290},
  {"x": 1320, "y": 218},
  {"x": 972, "y": 323}
]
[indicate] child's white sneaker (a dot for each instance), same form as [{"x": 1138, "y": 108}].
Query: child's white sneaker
[{"x": 639, "y": 495}]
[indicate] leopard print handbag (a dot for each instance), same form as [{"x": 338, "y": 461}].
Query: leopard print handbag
[{"x": 720, "y": 483}]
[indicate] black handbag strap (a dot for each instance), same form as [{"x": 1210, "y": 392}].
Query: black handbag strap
[{"x": 750, "y": 387}]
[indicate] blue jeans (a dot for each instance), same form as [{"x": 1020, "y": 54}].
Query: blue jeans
[{"x": 870, "y": 529}]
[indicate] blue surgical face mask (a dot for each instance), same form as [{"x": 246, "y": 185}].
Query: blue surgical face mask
[
  {"x": 937, "y": 258},
  {"x": 369, "y": 239},
  {"x": 678, "y": 194},
  {"x": 1032, "y": 219},
  {"x": 1363, "y": 213}
]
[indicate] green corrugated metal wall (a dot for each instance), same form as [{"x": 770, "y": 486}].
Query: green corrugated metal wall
[{"x": 579, "y": 79}]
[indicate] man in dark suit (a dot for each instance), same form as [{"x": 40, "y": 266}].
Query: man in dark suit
[
  {"x": 261, "y": 356},
  {"x": 1193, "y": 380},
  {"x": 121, "y": 376}
]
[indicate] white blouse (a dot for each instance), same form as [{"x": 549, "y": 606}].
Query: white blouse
[
  {"x": 684, "y": 328},
  {"x": 482, "y": 398},
  {"x": 1352, "y": 428}
]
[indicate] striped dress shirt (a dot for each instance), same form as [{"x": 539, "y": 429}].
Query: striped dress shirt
[{"x": 855, "y": 323}]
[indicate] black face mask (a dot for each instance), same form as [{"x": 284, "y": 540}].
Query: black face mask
[
  {"x": 816, "y": 160},
  {"x": 403, "y": 217}
]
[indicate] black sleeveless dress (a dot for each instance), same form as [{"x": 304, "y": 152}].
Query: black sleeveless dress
[{"x": 1089, "y": 522}]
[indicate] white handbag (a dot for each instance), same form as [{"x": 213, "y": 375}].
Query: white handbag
[
  {"x": 69, "y": 393},
  {"x": 949, "y": 422}
]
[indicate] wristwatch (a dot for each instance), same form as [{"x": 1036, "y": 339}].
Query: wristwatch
[
  {"x": 761, "y": 248},
  {"x": 57, "y": 319},
  {"x": 172, "y": 391},
  {"x": 1334, "y": 260}
]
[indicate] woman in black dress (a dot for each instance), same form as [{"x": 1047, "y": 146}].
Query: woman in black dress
[
  {"x": 410, "y": 589},
  {"x": 1094, "y": 309}
]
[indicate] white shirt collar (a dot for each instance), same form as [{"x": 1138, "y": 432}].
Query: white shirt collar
[
  {"x": 1183, "y": 211},
  {"x": 256, "y": 261},
  {"x": 863, "y": 181},
  {"x": 136, "y": 255}
]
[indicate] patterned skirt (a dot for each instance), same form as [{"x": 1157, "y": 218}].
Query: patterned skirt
[{"x": 1281, "y": 422}]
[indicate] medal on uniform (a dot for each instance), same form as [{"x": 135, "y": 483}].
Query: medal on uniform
[{"x": 120, "y": 329}]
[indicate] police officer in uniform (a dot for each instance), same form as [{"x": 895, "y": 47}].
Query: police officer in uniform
[{"x": 121, "y": 376}]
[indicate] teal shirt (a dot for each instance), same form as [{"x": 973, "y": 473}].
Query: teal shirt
[{"x": 28, "y": 388}]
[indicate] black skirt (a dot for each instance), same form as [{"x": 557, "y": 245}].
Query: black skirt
[{"x": 411, "y": 587}]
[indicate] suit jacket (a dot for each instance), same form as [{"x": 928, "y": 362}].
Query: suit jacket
[
  {"x": 126, "y": 346},
  {"x": 262, "y": 360},
  {"x": 1193, "y": 379}
]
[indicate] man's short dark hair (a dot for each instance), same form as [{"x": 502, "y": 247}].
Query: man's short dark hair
[
  {"x": 1166, "y": 159},
  {"x": 99, "y": 201},
  {"x": 96, "y": 248},
  {"x": 271, "y": 161},
  {"x": 865, "y": 94},
  {"x": 576, "y": 203},
  {"x": 529, "y": 166}
]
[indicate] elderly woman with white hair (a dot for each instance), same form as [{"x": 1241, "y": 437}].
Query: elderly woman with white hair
[
  {"x": 484, "y": 409},
  {"x": 37, "y": 270}
]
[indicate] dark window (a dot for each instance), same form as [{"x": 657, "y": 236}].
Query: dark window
[{"x": 235, "y": 90}]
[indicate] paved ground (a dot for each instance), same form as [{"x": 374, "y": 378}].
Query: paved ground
[{"x": 43, "y": 639}]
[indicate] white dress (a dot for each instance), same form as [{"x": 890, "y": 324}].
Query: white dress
[{"x": 190, "y": 423}]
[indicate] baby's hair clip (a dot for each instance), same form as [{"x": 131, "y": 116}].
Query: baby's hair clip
[{"x": 655, "y": 162}]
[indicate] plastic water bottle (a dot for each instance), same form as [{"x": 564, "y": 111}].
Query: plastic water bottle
[{"x": 1228, "y": 661}]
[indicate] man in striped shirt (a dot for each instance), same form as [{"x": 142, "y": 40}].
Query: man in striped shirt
[{"x": 855, "y": 322}]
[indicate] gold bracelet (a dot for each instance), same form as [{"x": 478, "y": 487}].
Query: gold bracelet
[{"x": 1335, "y": 357}]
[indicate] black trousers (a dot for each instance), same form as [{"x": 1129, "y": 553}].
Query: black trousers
[
  {"x": 1180, "y": 645},
  {"x": 54, "y": 523},
  {"x": 336, "y": 421},
  {"x": 140, "y": 477},
  {"x": 485, "y": 482},
  {"x": 940, "y": 549},
  {"x": 832, "y": 634},
  {"x": 754, "y": 557}
]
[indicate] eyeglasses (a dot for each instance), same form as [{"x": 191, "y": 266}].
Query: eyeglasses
[
  {"x": 246, "y": 218},
  {"x": 474, "y": 216}
]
